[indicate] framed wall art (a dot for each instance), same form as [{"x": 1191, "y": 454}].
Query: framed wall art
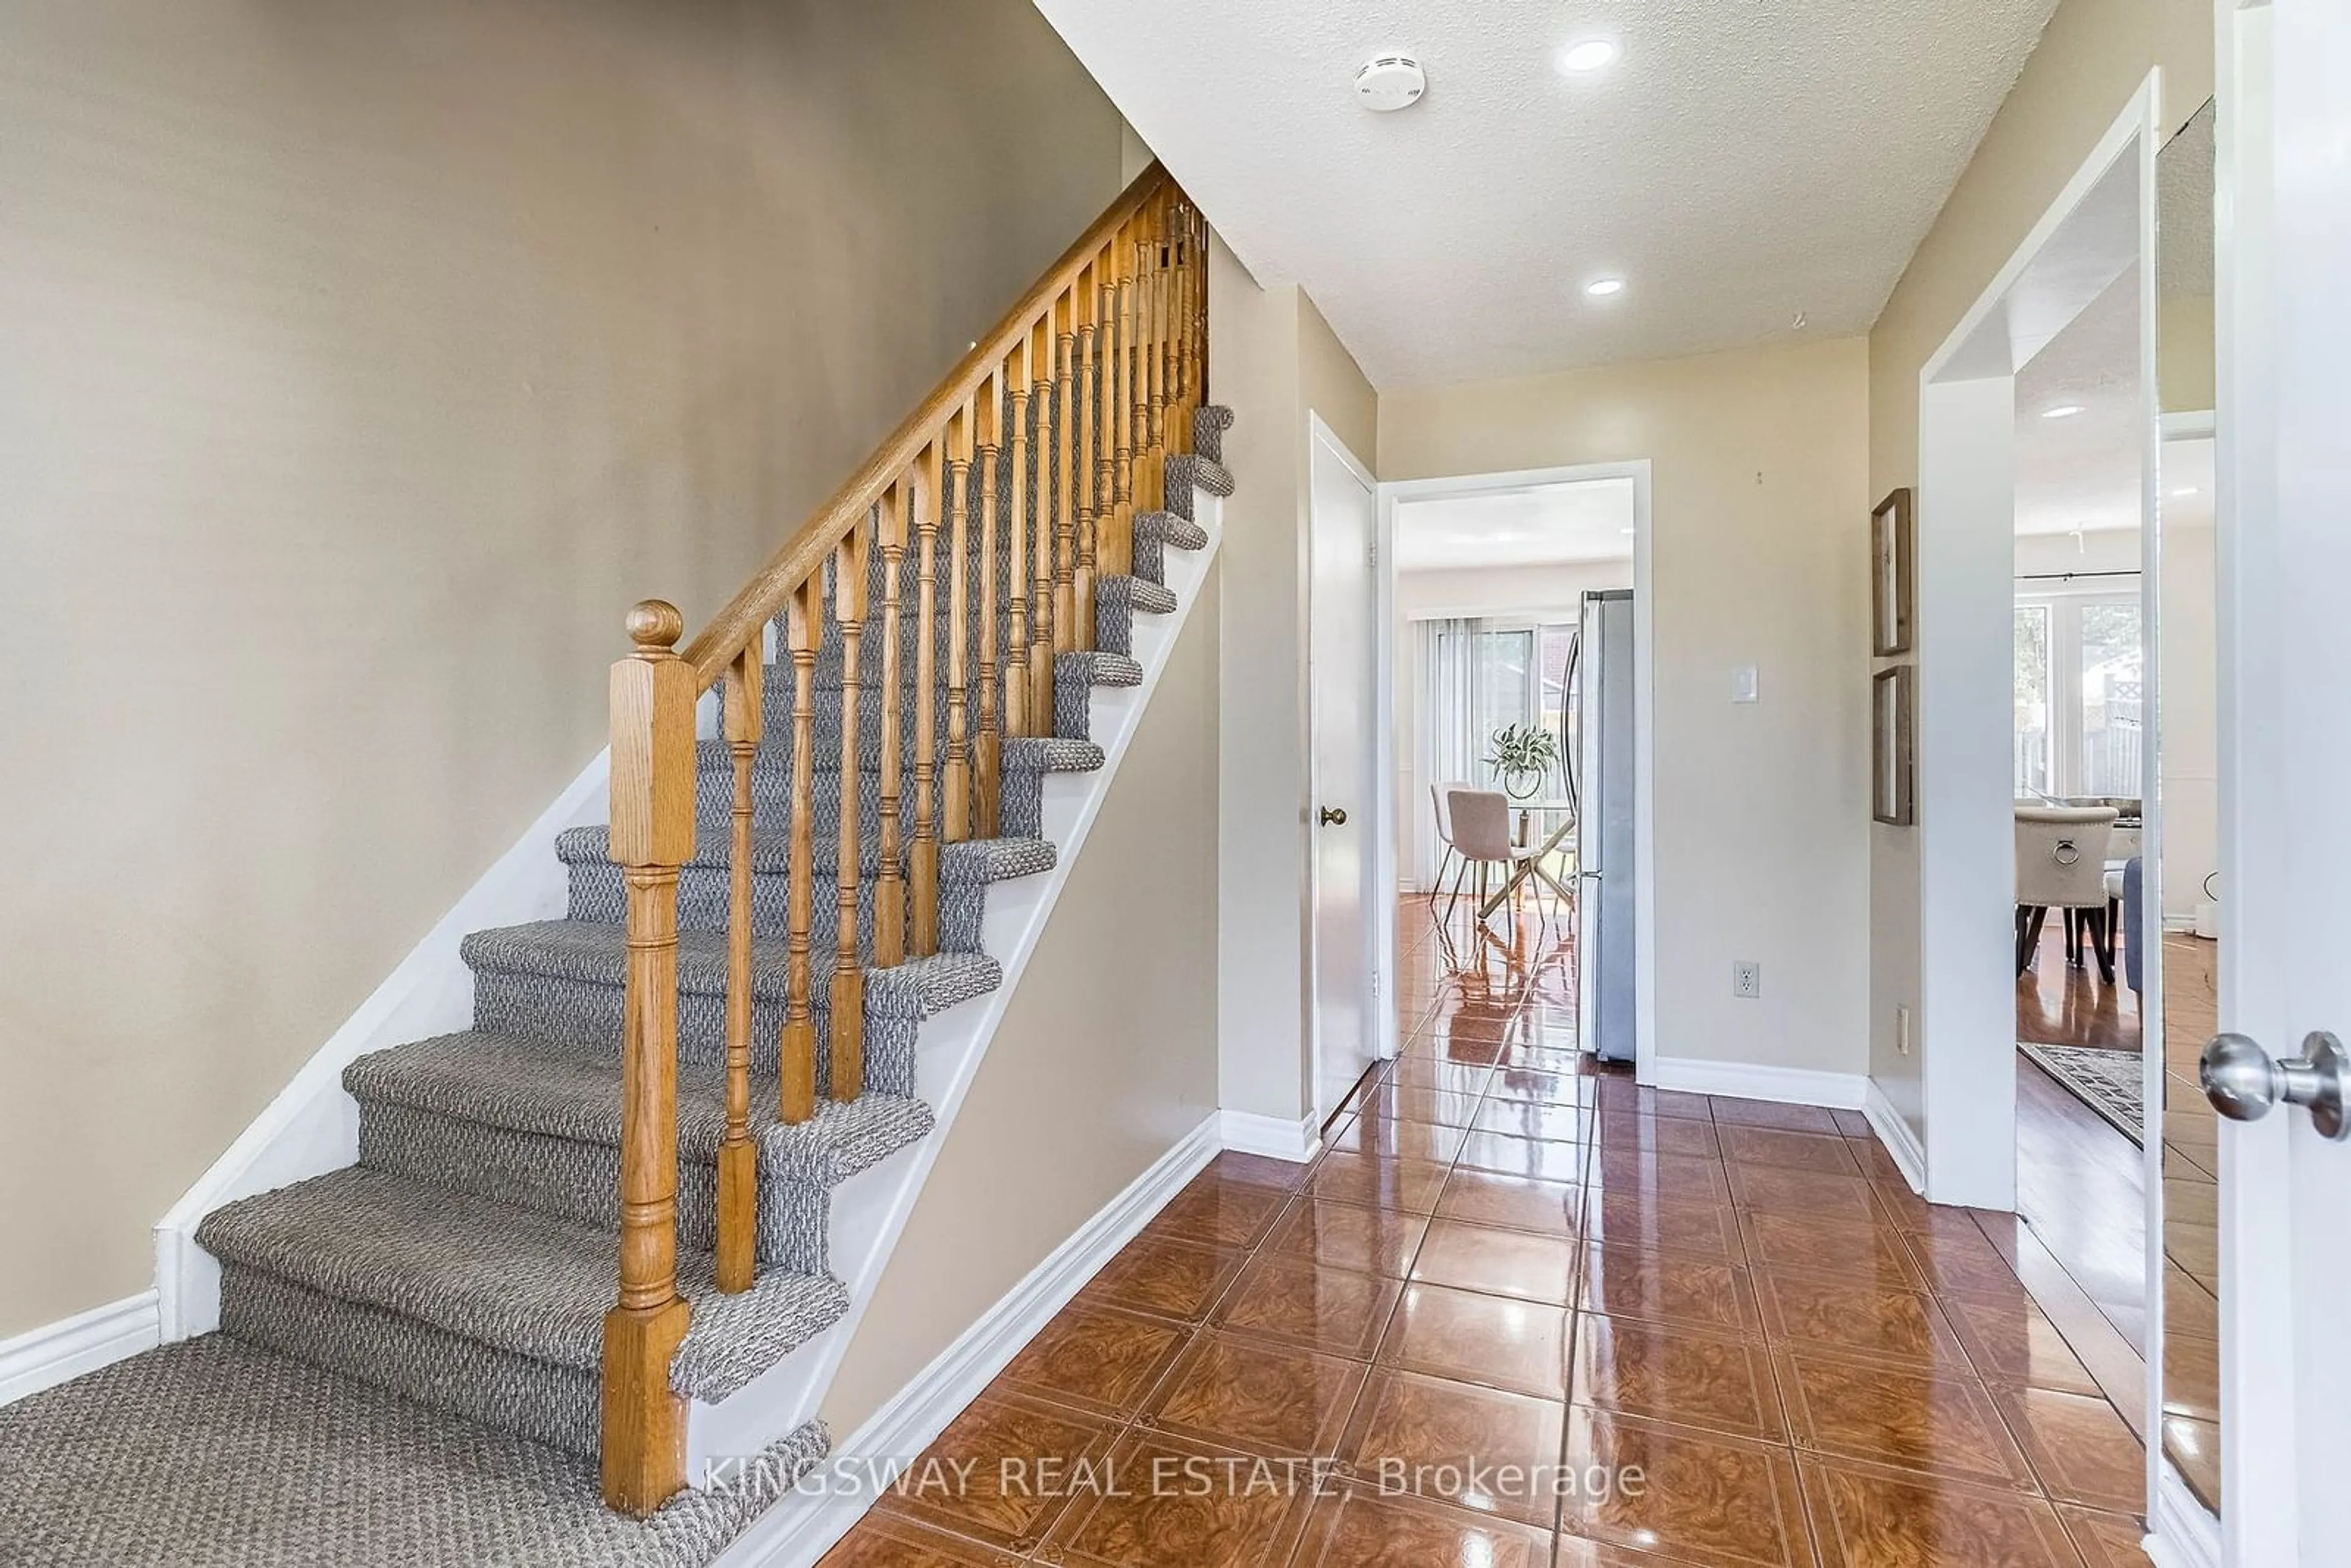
[
  {"x": 1893, "y": 575},
  {"x": 1894, "y": 746}
]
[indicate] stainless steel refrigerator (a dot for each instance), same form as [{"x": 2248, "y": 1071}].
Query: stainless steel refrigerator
[{"x": 1603, "y": 835}]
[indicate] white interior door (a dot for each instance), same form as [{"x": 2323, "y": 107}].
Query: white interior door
[
  {"x": 2285, "y": 556},
  {"x": 1343, "y": 525}
]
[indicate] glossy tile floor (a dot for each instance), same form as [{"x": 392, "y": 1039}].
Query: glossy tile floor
[{"x": 1526, "y": 1314}]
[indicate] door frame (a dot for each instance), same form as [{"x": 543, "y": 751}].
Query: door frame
[
  {"x": 1384, "y": 848},
  {"x": 1378, "y": 1006}
]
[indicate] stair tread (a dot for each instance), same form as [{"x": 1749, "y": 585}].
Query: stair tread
[
  {"x": 555, "y": 1090},
  {"x": 1168, "y": 529},
  {"x": 597, "y": 953},
  {"x": 965, "y": 861},
  {"x": 515, "y": 1280},
  {"x": 1030, "y": 753},
  {"x": 1103, "y": 669}
]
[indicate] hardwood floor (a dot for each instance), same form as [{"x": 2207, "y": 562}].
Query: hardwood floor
[
  {"x": 1526, "y": 1313},
  {"x": 2057, "y": 1004}
]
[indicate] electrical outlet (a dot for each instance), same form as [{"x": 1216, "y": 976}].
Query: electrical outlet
[
  {"x": 1902, "y": 1029},
  {"x": 1746, "y": 978}
]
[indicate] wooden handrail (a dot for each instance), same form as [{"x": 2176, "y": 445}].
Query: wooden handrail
[
  {"x": 762, "y": 599},
  {"x": 1023, "y": 470}
]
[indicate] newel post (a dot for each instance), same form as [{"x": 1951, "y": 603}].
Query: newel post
[{"x": 651, "y": 835}]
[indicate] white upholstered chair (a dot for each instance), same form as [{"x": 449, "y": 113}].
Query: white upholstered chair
[
  {"x": 2061, "y": 864},
  {"x": 1481, "y": 821}
]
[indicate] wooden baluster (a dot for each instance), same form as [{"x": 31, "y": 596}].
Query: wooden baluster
[
  {"x": 1075, "y": 521},
  {"x": 923, "y": 921},
  {"x": 1110, "y": 363},
  {"x": 1055, "y": 430},
  {"x": 847, "y": 1080},
  {"x": 1016, "y": 586},
  {"x": 1142, "y": 433},
  {"x": 653, "y": 699},
  {"x": 1163, "y": 285},
  {"x": 956, "y": 513},
  {"x": 803, "y": 635},
  {"x": 1087, "y": 351},
  {"x": 890, "y": 886},
  {"x": 739, "y": 1158},
  {"x": 1179, "y": 304},
  {"x": 986, "y": 754}
]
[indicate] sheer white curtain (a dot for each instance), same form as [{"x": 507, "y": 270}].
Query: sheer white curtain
[{"x": 1457, "y": 700}]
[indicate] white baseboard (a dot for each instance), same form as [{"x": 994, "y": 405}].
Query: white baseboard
[
  {"x": 313, "y": 1126},
  {"x": 2185, "y": 1533},
  {"x": 1895, "y": 1133},
  {"x": 1276, "y": 1137},
  {"x": 49, "y": 1355},
  {"x": 1740, "y": 1081},
  {"x": 801, "y": 1530}
]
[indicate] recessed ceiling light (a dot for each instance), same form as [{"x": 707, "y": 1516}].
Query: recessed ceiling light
[
  {"x": 1601, "y": 288},
  {"x": 1587, "y": 55},
  {"x": 1624, "y": 531},
  {"x": 2062, "y": 411},
  {"x": 2185, "y": 490}
]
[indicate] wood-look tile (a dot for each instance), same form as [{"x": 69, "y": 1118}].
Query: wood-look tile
[
  {"x": 1179, "y": 1504},
  {"x": 1250, "y": 1393},
  {"x": 1722, "y": 1382},
  {"x": 2193, "y": 1446},
  {"x": 884, "y": 1541},
  {"x": 2191, "y": 1377},
  {"x": 1167, "y": 1277},
  {"x": 1825, "y": 1195},
  {"x": 1622, "y": 1094},
  {"x": 1533, "y": 1118},
  {"x": 1858, "y": 1318},
  {"x": 1851, "y": 1123},
  {"x": 1656, "y": 1135},
  {"x": 1701, "y": 1497},
  {"x": 1516, "y": 1084},
  {"x": 1942, "y": 1425},
  {"x": 1423, "y": 1141},
  {"x": 1355, "y": 1526},
  {"x": 2106, "y": 1539},
  {"x": 1796, "y": 1151},
  {"x": 1295, "y": 1303},
  {"x": 1096, "y": 1357},
  {"x": 1866, "y": 1516},
  {"x": 1963, "y": 1264},
  {"x": 1545, "y": 1207},
  {"x": 1520, "y": 1346},
  {"x": 1406, "y": 1184},
  {"x": 1219, "y": 1212},
  {"x": 1533, "y": 1157},
  {"x": 1403, "y": 1103},
  {"x": 2083, "y": 1450},
  {"x": 1678, "y": 1291},
  {"x": 981, "y": 1478},
  {"x": 1860, "y": 1249},
  {"x": 1651, "y": 1174},
  {"x": 2014, "y": 1343},
  {"x": 1349, "y": 1236},
  {"x": 1874, "y": 1161},
  {"x": 1257, "y": 1170},
  {"x": 1500, "y": 1262},
  {"x": 1650, "y": 1223},
  {"x": 1411, "y": 1433},
  {"x": 1731, "y": 1112}
]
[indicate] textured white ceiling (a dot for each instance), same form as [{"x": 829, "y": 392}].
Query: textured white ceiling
[
  {"x": 2083, "y": 472},
  {"x": 1742, "y": 161},
  {"x": 1542, "y": 525}
]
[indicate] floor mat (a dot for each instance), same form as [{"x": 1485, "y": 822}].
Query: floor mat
[{"x": 2111, "y": 1082}]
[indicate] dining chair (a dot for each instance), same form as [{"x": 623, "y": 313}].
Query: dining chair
[
  {"x": 1481, "y": 821},
  {"x": 1440, "y": 797},
  {"x": 2061, "y": 864}
]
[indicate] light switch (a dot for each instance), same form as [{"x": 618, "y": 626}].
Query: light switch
[{"x": 1742, "y": 684}]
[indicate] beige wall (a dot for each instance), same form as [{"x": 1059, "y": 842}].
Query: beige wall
[
  {"x": 359, "y": 365},
  {"x": 2090, "y": 60},
  {"x": 1273, "y": 360},
  {"x": 1757, "y": 554},
  {"x": 1132, "y": 939}
]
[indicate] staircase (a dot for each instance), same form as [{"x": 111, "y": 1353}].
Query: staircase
[{"x": 811, "y": 804}]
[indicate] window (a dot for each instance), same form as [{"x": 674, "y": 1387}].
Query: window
[
  {"x": 1519, "y": 677},
  {"x": 2080, "y": 689}
]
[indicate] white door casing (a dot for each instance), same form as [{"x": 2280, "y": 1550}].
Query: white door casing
[{"x": 1342, "y": 527}]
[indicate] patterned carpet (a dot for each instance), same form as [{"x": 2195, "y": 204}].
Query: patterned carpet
[{"x": 2110, "y": 1082}]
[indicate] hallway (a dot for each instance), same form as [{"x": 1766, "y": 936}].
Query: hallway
[{"x": 1533, "y": 1314}]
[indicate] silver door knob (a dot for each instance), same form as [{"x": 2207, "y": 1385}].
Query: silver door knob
[
  {"x": 1334, "y": 816},
  {"x": 2243, "y": 1083}
]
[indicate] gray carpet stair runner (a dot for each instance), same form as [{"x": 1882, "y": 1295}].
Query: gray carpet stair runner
[{"x": 463, "y": 1267}]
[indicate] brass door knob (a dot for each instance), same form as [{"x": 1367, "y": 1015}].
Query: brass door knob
[{"x": 1334, "y": 816}]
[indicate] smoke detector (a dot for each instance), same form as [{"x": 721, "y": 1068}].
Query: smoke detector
[{"x": 1390, "y": 83}]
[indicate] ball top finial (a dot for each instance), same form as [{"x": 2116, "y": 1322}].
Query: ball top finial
[{"x": 655, "y": 623}]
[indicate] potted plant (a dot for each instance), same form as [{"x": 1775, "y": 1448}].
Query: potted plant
[{"x": 1523, "y": 757}]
